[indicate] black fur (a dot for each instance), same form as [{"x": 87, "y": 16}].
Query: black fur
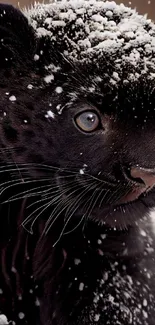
[{"x": 93, "y": 261}]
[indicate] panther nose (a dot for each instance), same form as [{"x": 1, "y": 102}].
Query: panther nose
[{"x": 143, "y": 175}]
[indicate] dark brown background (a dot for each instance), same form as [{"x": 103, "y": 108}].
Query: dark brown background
[{"x": 143, "y": 6}]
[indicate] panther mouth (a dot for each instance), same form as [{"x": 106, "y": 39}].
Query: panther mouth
[
  {"x": 143, "y": 180},
  {"x": 127, "y": 210},
  {"x": 134, "y": 195}
]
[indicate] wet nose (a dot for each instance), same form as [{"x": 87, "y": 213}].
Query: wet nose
[{"x": 147, "y": 176}]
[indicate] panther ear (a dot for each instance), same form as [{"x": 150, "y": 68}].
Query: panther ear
[{"x": 17, "y": 39}]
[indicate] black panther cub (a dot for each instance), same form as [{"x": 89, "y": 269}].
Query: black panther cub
[{"x": 77, "y": 165}]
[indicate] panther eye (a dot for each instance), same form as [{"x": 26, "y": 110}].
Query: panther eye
[{"x": 87, "y": 121}]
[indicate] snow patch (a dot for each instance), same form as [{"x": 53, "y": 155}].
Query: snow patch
[
  {"x": 12, "y": 98},
  {"x": 100, "y": 28},
  {"x": 49, "y": 114},
  {"x": 3, "y": 320}
]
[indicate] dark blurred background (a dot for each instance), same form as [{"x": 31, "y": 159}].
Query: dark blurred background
[{"x": 143, "y": 6}]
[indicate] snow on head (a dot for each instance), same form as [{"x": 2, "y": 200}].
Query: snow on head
[{"x": 86, "y": 30}]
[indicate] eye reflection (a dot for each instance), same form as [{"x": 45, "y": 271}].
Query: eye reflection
[{"x": 87, "y": 121}]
